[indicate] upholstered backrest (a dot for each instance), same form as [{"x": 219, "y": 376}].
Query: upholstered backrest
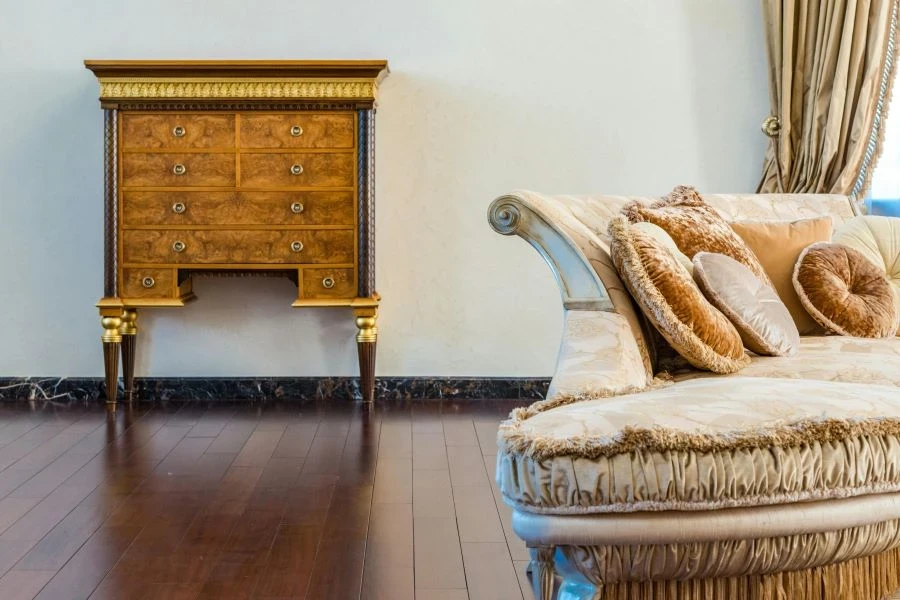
[{"x": 585, "y": 220}]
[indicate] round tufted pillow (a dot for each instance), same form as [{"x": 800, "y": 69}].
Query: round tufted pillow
[
  {"x": 672, "y": 302},
  {"x": 845, "y": 292},
  {"x": 753, "y": 307},
  {"x": 878, "y": 238}
]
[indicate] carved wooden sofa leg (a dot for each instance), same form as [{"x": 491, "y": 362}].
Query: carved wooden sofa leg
[{"x": 543, "y": 574}]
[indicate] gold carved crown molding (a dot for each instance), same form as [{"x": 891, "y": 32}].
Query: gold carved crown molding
[
  {"x": 308, "y": 80},
  {"x": 115, "y": 88}
]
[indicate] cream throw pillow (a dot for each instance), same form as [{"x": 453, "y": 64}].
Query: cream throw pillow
[{"x": 753, "y": 307}]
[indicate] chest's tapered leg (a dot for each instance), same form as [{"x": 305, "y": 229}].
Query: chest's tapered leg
[
  {"x": 111, "y": 321},
  {"x": 366, "y": 340},
  {"x": 128, "y": 331}
]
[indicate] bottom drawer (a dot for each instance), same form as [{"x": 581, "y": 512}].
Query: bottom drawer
[
  {"x": 329, "y": 283},
  {"x": 148, "y": 283}
]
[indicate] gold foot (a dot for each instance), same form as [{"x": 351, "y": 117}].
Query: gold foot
[{"x": 366, "y": 341}]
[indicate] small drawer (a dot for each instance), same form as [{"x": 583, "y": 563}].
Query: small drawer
[
  {"x": 143, "y": 207},
  {"x": 311, "y": 169},
  {"x": 148, "y": 283},
  {"x": 329, "y": 283},
  {"x": 298, "y": 130},
  {"x": 177, "y": 131},
  {"x": 152, "y": 169},
  {"x": 258, "y": 246}
]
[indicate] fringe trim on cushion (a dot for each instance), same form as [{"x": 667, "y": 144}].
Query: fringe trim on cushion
[
  {"x": 875, "y": 577},
  {"x": 656, "y": 308},
  {"x": 882, "y": 106},
  {"x": 526, "y": 412},
  {"x": 513, "y": 438}
]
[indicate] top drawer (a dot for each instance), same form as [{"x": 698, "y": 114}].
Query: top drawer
[
  {"x": 298, "y": 130},
  {"x": 177, "y": 131}
]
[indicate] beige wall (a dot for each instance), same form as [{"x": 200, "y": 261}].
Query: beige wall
[{"x": 485, "y": 96}]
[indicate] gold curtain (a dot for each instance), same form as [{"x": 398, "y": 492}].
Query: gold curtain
[{"x": 831, "y": 68}]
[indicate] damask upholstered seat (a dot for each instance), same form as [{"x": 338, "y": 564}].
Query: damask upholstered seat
[{"x": 781, "y": 481}]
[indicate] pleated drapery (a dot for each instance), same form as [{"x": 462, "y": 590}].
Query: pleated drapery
[{"x": 831, "y": 69}]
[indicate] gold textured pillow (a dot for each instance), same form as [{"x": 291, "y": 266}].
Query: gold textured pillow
[
  {"x": 753, "y": 307},
  {"x": 672, "y": 301},
  {"x": 845, "y": 292},
  {"x": 778, "y": 245},
  {"x": 878, "y": 238},
  {"x": 695, "y": 226}
]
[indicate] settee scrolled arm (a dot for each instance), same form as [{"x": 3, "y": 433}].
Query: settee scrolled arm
[{"x": 579, "y": 284}]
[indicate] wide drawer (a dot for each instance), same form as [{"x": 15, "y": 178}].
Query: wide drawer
[
  {"x": 298, "y": 130},
  {"x": 237, "y": 246},
  {"x": 329, "y": 283},
  {"x": 174, "y": 169},
  {"x": 315, "y": 169},
  {"x": 177, "y": 131},
  {"x": 142, "y": 207},
  {"x": 148, "y": 282}
]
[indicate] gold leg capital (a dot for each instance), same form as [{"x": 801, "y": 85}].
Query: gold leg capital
[
  {"x": 111, "y": 327},
  {"x": 365, "y": 322},
  {"x": 129, "y": 322}
]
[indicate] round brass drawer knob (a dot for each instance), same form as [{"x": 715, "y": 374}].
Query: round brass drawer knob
[
  {"x": 179, "y": 246},
  {"x": 148, "y": 282},
  {"x": 178, "y": 131},
  {"x": 297, "y": 246},
  {"x": 296, "y": 169},
  {"x": 178, "y": 207},
  {"x": 296, "y": 131},
  {"x": 296, "y": 208},
  {"x": 328, "y": 283},
  {"x": 179, "y": 169}
]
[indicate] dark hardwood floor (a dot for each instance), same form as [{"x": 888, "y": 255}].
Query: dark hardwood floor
[{"x": 226, "y": 501}]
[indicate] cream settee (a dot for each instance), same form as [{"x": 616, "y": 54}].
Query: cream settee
[{"x": 781, "y": 481}]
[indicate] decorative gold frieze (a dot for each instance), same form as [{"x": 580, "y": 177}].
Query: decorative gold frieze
[{"x": 115, "y": 88}]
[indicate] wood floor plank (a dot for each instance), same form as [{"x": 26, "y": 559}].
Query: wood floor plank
[
  {"x": 394, "y": 480},
  {"x": 489, "y": 572},
  {"x": 476, "y": 514},
  {"x": 84, "y": 572},
  {"x": 466, "y": 466},
  {"x": 438, "y": 559},
  {"x": 258, "y": 448},
  {"x": 23, "y": 585},
  {"x": 12, "y": 509},
  {"x": 429, "y": 451},
  {"x": 525, "y": 587},
  {"x": 441, "y": 594},
  {"x": 432, "y": 494},
  {"x": 459, "y": 431}
]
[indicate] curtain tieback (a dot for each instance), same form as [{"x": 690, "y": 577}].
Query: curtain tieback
[{"x": 771, "y": 126}]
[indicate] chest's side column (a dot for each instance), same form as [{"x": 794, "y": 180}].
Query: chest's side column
[
  {"x": 366, "y": 306},
  {"x": 110, "y": 305}
]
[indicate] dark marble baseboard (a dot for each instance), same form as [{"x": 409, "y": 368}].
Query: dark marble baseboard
[{"x": 66, "y": 390}]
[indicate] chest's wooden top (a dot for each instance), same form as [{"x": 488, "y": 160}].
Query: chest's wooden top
[{"x": 239, "y": 79}]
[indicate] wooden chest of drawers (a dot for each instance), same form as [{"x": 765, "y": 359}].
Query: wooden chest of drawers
[{"x": 216, "y": 167}]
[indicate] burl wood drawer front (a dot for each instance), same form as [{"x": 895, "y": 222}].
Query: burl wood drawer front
[
  {"x": 313, "y": 169},
  {"x": 328, "y": 283},
  {"x": 148, "y": 283},
  {"x": 297, "y": 131},
  {"x": 238, "y": 247},
  {"x": 152, "y": 169},
  {"x": 141, "y": 207},
  {"x": 177, "y": 131}
]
